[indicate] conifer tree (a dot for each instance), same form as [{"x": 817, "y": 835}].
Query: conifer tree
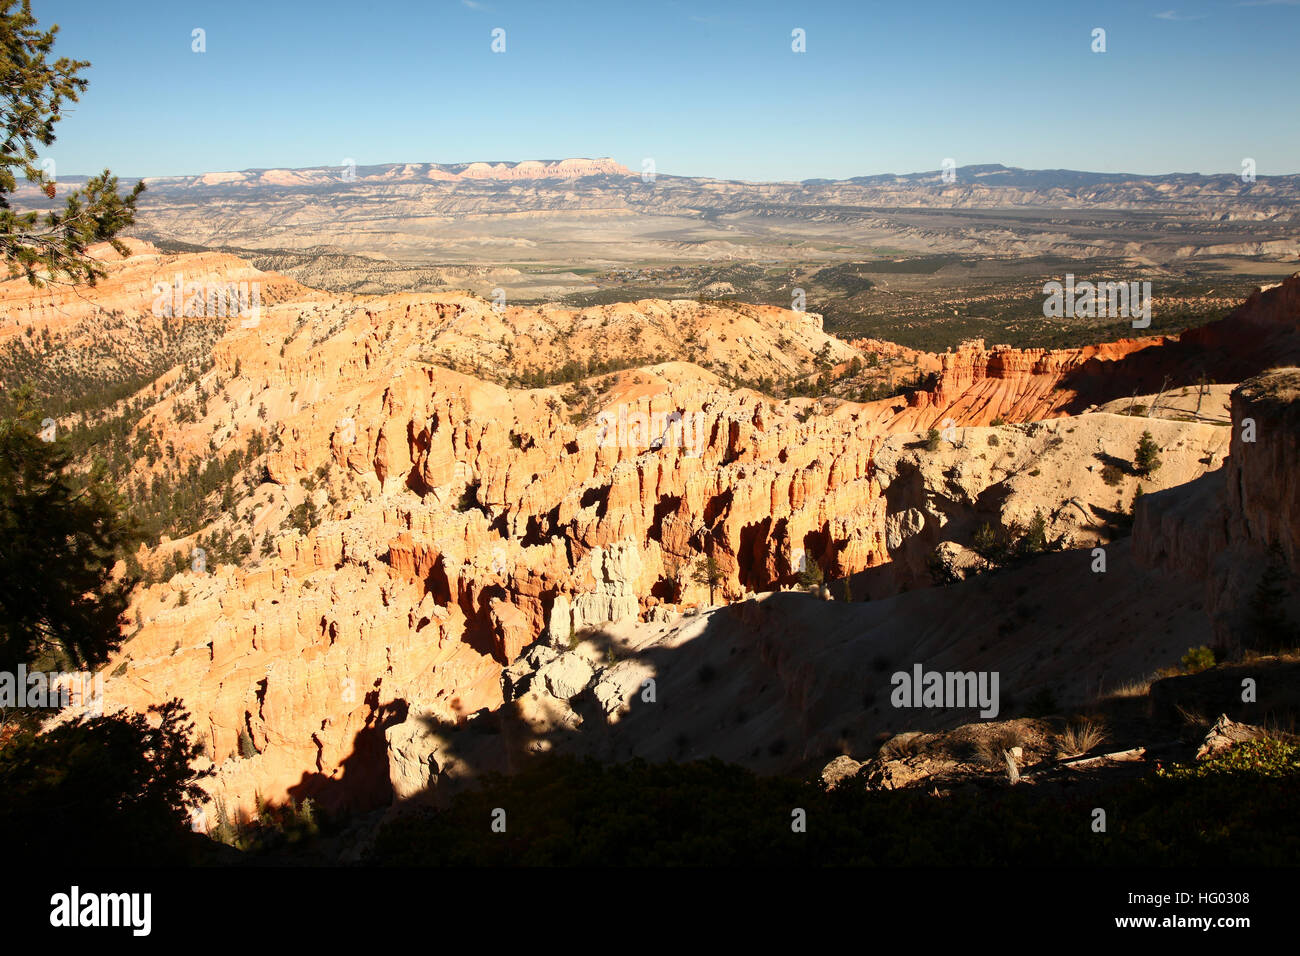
[
  {"x": 708, "y": 573},
  {"x": 47, "y": 245},
  {"x": 59, "y": 539},
  {"x": 1146, "y": 458}
]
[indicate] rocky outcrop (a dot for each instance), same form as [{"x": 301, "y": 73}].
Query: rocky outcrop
[{"x": 841, "y": 768}]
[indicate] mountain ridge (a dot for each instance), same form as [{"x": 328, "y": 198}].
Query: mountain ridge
[{"x": 984, "y": 174}]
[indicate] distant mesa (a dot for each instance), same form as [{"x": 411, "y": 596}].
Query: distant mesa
[{"x": 403, "y": 173}]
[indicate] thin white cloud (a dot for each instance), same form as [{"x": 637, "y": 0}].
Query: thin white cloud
[{"x": 1175, "y": 15}]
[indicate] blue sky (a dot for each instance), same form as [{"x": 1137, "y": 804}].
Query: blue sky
[{"x": 706, "y": 89}]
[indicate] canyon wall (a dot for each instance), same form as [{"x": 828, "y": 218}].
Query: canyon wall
[{"x": 1241, "y": 523}]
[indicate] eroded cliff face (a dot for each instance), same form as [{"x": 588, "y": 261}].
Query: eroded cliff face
[
  {"x": 1263, "y": 480},
  {"x": 978, "y": 385},
  {"x": 460, "y": 519},
  {"x": 1230, "y": 527}
]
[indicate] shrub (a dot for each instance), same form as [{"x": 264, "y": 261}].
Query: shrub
[
  {"x": 468, "y": 499},
  {"x": 1197, "y": 659},
  {"x": 1035, "y": 537},
  {"x": 932, "y": 439},
  {"x": 273, "y": 826},
  {"x": 1261, "y": 757},
  {"x": 811, "y": 576},
  {"x": 992, "y": 544},
  {"x": 941, "y": 571},
  {"x": 1111, "y": 474}
]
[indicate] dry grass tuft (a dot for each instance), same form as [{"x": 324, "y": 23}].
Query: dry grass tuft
[
  {"x": 990, "y": 749},
  {"x": 1281, "y": 728},
  {"x": 1079, "y": 737},
  {"x": 1131, "y": 688}
]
